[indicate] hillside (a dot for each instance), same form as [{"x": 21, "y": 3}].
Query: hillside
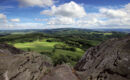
[
  {"x": 16, "y": 64},
  {"x": 61, "y": 45},
  {"x": 107, "y": 61}
]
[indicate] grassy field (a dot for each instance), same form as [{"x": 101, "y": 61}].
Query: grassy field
[
  {"x": 37, "y": 46},
  {"x": 46, "y": 48},
  {"x": 105, "y": 33}
]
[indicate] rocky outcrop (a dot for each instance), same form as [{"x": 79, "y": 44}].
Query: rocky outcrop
[
  {"x": 61, "y": 72},
  {"x": 107, "y": 61},
  {"x": 19, "y": 65}
]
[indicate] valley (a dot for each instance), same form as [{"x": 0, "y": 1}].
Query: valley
[{"x": 61, "y": 45}]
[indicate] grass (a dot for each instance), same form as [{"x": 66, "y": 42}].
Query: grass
[
  {"x": 67, "y": 56},
  {"x": 46, "y": 48},
  {"x": 107, "y": 34},
  {"x": 94, "y": 42},
  {"x": 37, "y": 46}
]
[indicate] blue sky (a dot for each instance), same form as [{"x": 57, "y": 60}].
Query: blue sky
[{"x": 44, "y": 14}]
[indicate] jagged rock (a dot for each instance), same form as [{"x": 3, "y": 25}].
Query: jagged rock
[
  {"x": 107, "y": 61},
  {"x": 19, "y": 65},
  {"x": 61, "y": 72}
]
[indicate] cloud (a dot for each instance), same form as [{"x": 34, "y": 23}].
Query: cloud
[
  {"x": 105, "y": 18},
  {"x": 15, "y": 20},
  {"x": 22, "y": 26},
  {"x": 113, "y": 13},
  {"x": 70, "y": 9},
  {"x": 37, "y": 19},
  {"x": 127, "y": 8},
  {"x": 3, "y": 18},
  {"x": 32, "y": 3},
  {"x": 73, "y": 15},
  {"x": 61, "y": 21}
]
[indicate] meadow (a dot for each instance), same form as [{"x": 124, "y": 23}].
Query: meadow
[{"x": 58, "y": 55}]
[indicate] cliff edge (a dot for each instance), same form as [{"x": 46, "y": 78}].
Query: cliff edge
[{"x": 107, "y": 61}]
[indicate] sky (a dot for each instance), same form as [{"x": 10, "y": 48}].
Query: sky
[{"x": 50, "y": 14}]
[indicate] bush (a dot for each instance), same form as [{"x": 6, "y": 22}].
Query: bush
[
  {"x": 46, "y": 53},
  {"x": 64, "y": 47},
  {"x": 48, "y": 40},
  {"x": 60, "y": 59}
]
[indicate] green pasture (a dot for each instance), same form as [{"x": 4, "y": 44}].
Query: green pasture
[{"x": 37, "y": 46}]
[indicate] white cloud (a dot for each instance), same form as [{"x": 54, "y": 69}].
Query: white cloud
[
  {"x": 127, "y": 8},
  {"x": 74, "y": 15},
  {"x": 3, "y": 18},
  {"x": 107, "y": 18},
  {"x": 113, "y": 13},
  {"x": 71, "y": 9},
  {"x": 61, "y": 21},
  {"x": 40, "y": 3},
  {"x": 22, "y": 26},
  {"x": 15, "y": 20},
  {"x": 37, "y": 19}
]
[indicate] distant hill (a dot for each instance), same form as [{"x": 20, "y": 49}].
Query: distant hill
[
  {"x": 117, "y": 30},
  {"x": 60, "y": 30}
]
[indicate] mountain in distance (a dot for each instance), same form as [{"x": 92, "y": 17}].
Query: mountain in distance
[{"x": 61, "y": 29}]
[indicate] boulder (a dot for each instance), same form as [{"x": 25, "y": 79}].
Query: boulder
[
  {"x": 61, "y": 72},
  {"x": 19, "y": 65},
  {"x": 108, "y": 61}
]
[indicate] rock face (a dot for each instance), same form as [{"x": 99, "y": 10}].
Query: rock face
[
  {"x": 18, "y": 65},
  {"x": 107, "y": 61},
  {"x": 61, "y": 72}
]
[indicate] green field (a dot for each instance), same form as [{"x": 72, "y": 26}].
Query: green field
[
  {"x": 37, "y": 46},
  {"x": 46, "y": 48},
  {"x": 107, "y": 33}
]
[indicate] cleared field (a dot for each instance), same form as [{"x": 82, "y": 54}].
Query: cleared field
[
  {"x": 38, "y": 46},
  {"x": 107, "y": 33}
]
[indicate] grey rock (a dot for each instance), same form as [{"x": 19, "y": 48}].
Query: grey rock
[
  {"x": 61, "y": 72},
  {"x": 19, "y": 65},
  {"x": 107, "y": 61}
]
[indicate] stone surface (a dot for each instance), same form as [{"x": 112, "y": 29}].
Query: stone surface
[
  {"x": 107, "y": 61},
  {"x": 18, "y": 65},
  {"x": 61, "y": 72}
]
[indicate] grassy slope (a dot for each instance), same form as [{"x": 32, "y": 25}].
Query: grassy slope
[
  {"x": 37, "y": 46},
  {"x": 43, "y": 46}
]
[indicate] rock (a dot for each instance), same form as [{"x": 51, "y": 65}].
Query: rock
[
  {"x": 61, "y": 72},
  {"x": 107, "y": 61},
  {"x": 19, "y": 65}
]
